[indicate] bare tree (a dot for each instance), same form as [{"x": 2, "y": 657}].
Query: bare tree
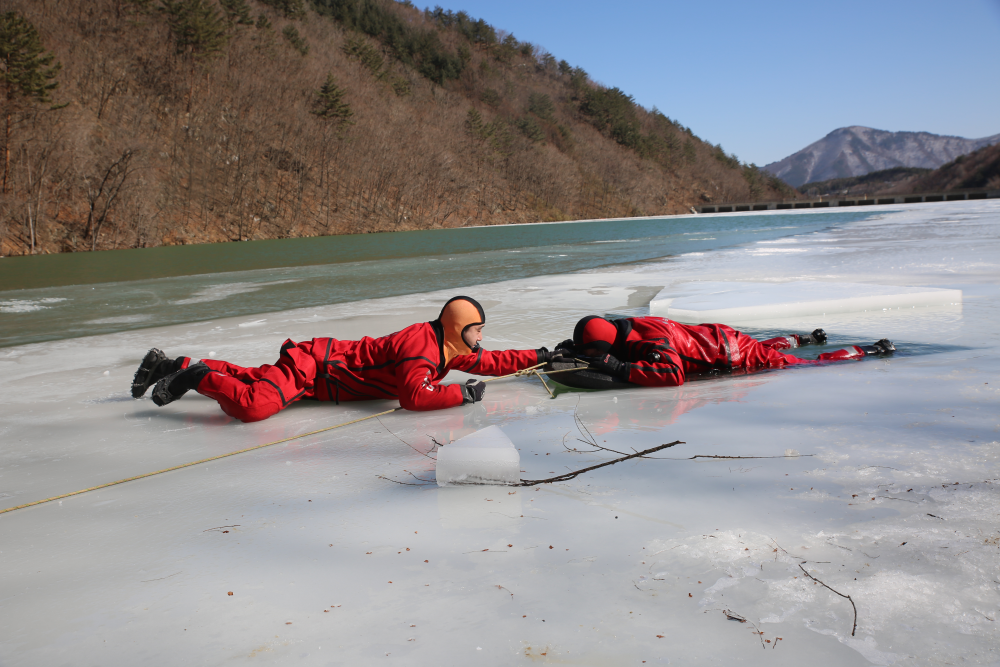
[{"x": 103, "y": 191}]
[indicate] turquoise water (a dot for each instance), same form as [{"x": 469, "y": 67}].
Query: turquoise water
[{"x": 65, "y": 296}]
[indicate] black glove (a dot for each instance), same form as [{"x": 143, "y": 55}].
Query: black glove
[
  {"x": 544, "y": 356},
  {"x": 473, "y": 391},
  {"x": 608, "y": 364},
  {"x": 879, "y": 348},
  {"x": 817, "y": 337},
  {"x": 564, "y": 350}
]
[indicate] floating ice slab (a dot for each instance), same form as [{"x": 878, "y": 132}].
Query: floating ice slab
[
  {"x": 732, "y": 302},
  {"x": 484, "y": 457}
]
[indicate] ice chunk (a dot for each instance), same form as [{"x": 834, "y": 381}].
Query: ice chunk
[
  {"x": 731, "y": 302},
  {"x": 484, "y": 457}
]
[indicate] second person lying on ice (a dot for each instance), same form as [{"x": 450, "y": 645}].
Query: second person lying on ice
[
  {"x": 657, "y": 352},
  {"x": 407, "y": 365}
]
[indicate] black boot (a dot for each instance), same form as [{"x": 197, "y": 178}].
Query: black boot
[
  {"x": 879, "y": 348},
  {"x": 175, "y": 385},
  {"x": 817, "y": 337},
  {"x": 153, "y": 367}
]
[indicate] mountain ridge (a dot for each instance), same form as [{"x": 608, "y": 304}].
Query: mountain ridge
[{"x": 858, "y": 150}]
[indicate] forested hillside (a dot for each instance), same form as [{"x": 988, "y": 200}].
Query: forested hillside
[
  {"x": 132, "y": 123},
  {"x": 979, "y": 169},
  {"x": 870, "y": 183}
]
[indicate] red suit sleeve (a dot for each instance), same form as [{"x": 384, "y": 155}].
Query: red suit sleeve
[
  {"x": 655, "y": 364},
  {"x": 419, "y": 391},
  {"x": 488, "y": 362}
]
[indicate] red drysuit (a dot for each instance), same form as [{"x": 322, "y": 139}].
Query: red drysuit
[
  {"x": 661, "y": 352},
  {"x": 406, "y": 365}
]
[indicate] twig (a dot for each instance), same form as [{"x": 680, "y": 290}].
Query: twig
[
  {"x": 584, "y": 431},
  {"x": 717, "y": 456},
  {"x": 235, "y": 525},
  {"x": 504, "y": 588},
  {"x": 905, "y": 500},
  {"x": 397, "y": 482},
  {"x": 855, "y": 626},
  {"x": 571, "y": 475},
  {"x": 404, "y": 441},
  {"x": 760, "y": 635}
]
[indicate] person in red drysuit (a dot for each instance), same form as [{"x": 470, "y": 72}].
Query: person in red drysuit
[
  {"x": 407, "y": 365},
  {"x": 656, "y": 352}
]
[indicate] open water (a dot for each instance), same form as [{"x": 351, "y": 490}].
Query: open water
[{"x": 53, "y": 297}]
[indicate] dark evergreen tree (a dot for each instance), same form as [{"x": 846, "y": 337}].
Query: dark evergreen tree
[
  {"x": 27, "y": 74},
  {"x": 199, "y": 31},
  {"x": 298, "y": 43},
  {"x": 290, "y": 9},
  {"x": 237, "y": 12},
  {"x": 475, "y": 126},
  {"x": 541, "y": 105},
  {"x": 330, "y": 104},
  {"x": 529, "y": 128}
]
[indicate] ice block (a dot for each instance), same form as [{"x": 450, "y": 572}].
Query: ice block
[
  {"x": 736, "y": 302},
  {"x": 484, "y": 457}
]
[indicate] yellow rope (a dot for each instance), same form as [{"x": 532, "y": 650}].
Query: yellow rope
[
  {"x": 531, "y": 370},
  {"x": 194, "y": 463},
  {"x": 524, "y": 371}
]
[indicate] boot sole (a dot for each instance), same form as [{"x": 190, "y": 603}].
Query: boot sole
[{"x": 148, "y": 365}]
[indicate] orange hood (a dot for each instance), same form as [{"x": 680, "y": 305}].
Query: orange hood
[{"x": 460, "y": 313}]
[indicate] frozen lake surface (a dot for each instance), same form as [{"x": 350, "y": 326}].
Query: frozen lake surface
[
  {"x": 54, "y": 297},
  {"x": 892, "y": 499}
]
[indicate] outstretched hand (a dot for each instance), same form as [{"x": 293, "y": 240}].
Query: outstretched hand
[
  {"x": 473, "y": 391},
  {"x": 609, "y": 364},
  {"x": 564, "y": 351}
]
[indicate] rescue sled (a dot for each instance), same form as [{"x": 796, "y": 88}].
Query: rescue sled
[{"x": 583, "y": 378}]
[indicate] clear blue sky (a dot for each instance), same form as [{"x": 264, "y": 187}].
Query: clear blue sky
[{"x": 766, "y": 79}]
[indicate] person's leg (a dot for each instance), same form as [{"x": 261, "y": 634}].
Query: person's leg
[
  {"x": 753, "y": 353},
  {"x": 251, "y": 374},
  {"x": 153, "y": 367},
  {"x": 156, "y": 365},
  {"x": 781, "y": 342},
  {"x": 817, "y": 337},
  {"x": 253, "y": 394},
  {"x": 879, "y": 348}
]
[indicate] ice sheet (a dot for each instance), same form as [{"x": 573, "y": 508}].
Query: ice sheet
[
  {"x": 893, "y": 500},
  {"x": 739, "y": 302},
  {"x": 484, "y": 457}
]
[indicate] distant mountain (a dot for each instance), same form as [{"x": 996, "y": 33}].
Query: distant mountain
[{"x": 856, "y": 150}]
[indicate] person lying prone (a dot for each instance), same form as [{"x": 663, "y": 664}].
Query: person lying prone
[
  {"x": 657, "y": 352},
  {"x": 407, "y": 366}
]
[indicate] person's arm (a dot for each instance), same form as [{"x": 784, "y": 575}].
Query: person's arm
[
  {"x": 417, "y": 390},
  {"x": 505, "y": 362},
  {"x": 664, "y": 370},
  {"x": 655, "y": 364}
]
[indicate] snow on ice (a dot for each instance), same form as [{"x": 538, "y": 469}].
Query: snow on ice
[{"x": 303, "y": 552}]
